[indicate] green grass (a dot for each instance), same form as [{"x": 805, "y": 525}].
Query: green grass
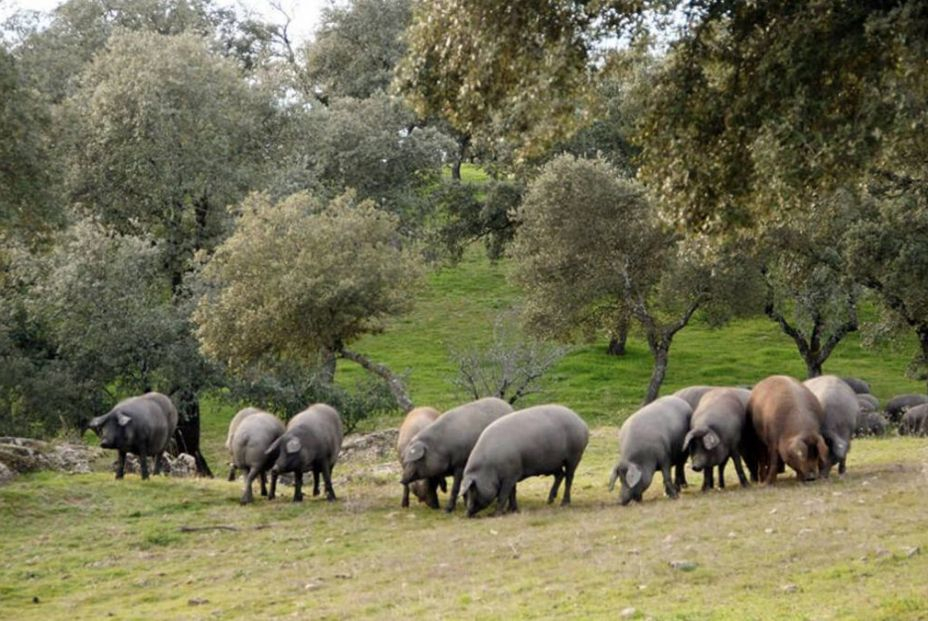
[{"x": 88, "y": 547}]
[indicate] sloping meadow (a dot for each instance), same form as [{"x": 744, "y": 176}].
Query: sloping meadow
[{"x": 88, "y": 547}]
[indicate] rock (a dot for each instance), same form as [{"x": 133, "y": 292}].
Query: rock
[
  {"x": 183, "y": 465},
  {"x": 628, "y": 613},
  {"x": 197, "y": 601},
  {"x": 911, "y": 551},
  {"x": 20, "y": 455},
  {"x": 315, "y": 585},
  {"x": 374, "y": 446},
  {"x": 789, "y": 588},
  {"x": 683, "y": 565},
  {"x": 6, "y": 474}
]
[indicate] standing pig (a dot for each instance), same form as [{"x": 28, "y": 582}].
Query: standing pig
[
  {"x": 537, "y": 441},
  {"x": 868, "y": 403},
  {"x": 839, "y": 401},
  {"x": 252, "y": 438},
  {"x": 311, "y": 443},
  {"x": 715, "y": 434},
  {"x": 787, "y": 419},
  {"x": 442, "y": 448},
  {"x": 915, "y": 421},
  {"x": 233, "y": 425},
  {"x": 140, "y": 425},
  {"x": 858, "y": 385},
  {"x": 898, "y": 405},
  {"x": 426, "y": 491},
  {"x": 651, "y": 439},
  {"x": 693, "y": 394},
  {"x": 870, "y": 424}
]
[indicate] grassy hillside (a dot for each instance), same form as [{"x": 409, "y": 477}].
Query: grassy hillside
[{"x": 88, "y": 547}]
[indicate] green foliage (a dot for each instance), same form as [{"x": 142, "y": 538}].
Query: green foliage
[
  {"x": 162, "y": 147},
  {"x": 302, "y": 277},
  {"x": 356, "y": 48}
]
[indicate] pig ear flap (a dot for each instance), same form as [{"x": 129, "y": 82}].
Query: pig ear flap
[
  {"x": 711, "y": 440},
  {"x": 415, "y": 452},
  {"x": 466, "y": 485},
  {"x": 293, "y": 445},
  {"x": 275, "y": 445},
  {"x": 632, "y": 475},
  {"x": 96, "y": 424},
  {"x": 689, "y": 438},
  {"x": 122, "y": 419}
]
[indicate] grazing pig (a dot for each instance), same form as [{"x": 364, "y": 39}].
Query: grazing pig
[
  {"x": 442, "y": 448},
  {"x": 715, "y": 434},
  {"x": 840, "y": 404},
  {"x": 140, "y": 425},
  {"x": 868, "y": 403},
  {"x": 651, "y": 439},
  {"x": 870, "y": 424},
  {"x": 786, "y": 419},
  {"x": 898, "y": 405},
  {"x": 537, "y": 441},
  {"x": 692, "y": 394},
  {"x": 233, "y": 425},
  {"x": 426, "y": 491},
  {"x": 859, "y": 386},
  {"x": 915, "y": 421},
  {"x": 253, "y": 436},
  {"x": 311, "y": 443}
]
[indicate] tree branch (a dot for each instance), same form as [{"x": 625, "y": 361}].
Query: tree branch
[{"x": 393, "y": 381}]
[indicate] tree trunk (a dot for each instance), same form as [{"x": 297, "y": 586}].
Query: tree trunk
[
  {"x": 393, "y": 382},
  {"x": 813, "y": 365},
  {"x": 327, "y": 370},
  {"x": 661, "y": 355},
  {"x": 922, "y": 331},
  {"x": 187, "y": 434},
  {"x": 463, "y": 143},
  {"x": 618, "y": 338}
]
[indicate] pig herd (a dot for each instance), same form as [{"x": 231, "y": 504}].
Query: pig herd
[{"x": 487, "y": 448}]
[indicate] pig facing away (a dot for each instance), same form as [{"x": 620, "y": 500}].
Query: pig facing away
[
  {"x": 538, "y": 441},
  {"x": 442, "y": 448},
  {"x": 715, "y": 434},
  {"x": 839, "y": 401},
  {"x": 426, "y": 491},
  {"x": 652, "y": 439},
  {"x": 140, "y": 425},
  {"x": 915, "y": 421},
  {"x": 311, "y": 443},
  {"x": 233, "y": 425},
  {"x": 253, "y": 436},
  {"x": 786, "y": 419}
]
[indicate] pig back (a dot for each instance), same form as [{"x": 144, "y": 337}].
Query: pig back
[
  {"x": 417, "y": 420},
  {"x": 253, "y": 436},
  {"x": 656, "y": 430},
  {"x": 456, "y": 431},
  {"x": 319, "y": 428},
  {"x": 780, "y": 406}
]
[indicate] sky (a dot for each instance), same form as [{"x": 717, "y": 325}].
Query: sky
[{"x": 304, "y": 13}]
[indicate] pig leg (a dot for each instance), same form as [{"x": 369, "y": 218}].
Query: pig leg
[
  {"x": 736, "y": 457},
  {"x": 121, "y": 465},
  {"x": 232, "y": 474},
  {"x": 773, "y": 464},
  {"x": 513, "y": 505},
  {"x": 143, "y": 465},
  {"x": 568, "y": 483},
  {"x": 405, "y": 502},
  {"x": 273, "y": 491},
  {"x": 298, "y": 486},
  {"x": 431, "y": 493},
  {"x": 707, "y": 479},
  {"x": 315, "y": 481},
  {"x": 455, "y": 489},
  {"x": 443, "y": 485},
  {"x": 670, "y": 487},
  {"x": 558, "y": 476},
  {"x": 504, "y": 496},
  {"x": 263, "y": 483},
  {"x": 722, "y": 473},
  {"x": 156, "y": 462},
  {"x": 680, "y": 475},
  {"x": 841, "y": 466},
  {"x": 248, "y": 496},
  {"x": 327, "y": 475}
]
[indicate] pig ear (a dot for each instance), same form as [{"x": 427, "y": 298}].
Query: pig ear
[
  {"x": 122, "y": 419},
  {"x": 710, "y": 440},
  {"x": 822, "y": 452},
  {"x": 466, "y": 485},
  {"x": 632, "y": 475},
  {"x": 415, "y": 452},
  {"x": 689, "y": 438},
  {"x": 293, "y": 445},
  {"x": 96, "y": 423},
  {"x": 615, "y": 475},
  {"x": 275, "y": 445}
]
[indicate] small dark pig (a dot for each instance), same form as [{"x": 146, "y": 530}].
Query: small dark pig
[
  {"x": 311, "y": 443},
  {"x": 898, "y": 405},
  {"x": 253, "y": 436},
  {"x": 870, "y": 424},
  {"x": 442, "y": 448},
  {"x": 652, "y": 439},
  {"x": 841, "y": 407},
  {"x": 858, "y": 385},
  {"x": 140, "y": 425},
  {"x": 426, "y": 491},
  {"x": 715, "y": 434},
  {"x": 233, "y": 425},
  {"x": 787, "y": 420},
  {"x": 692, "y": 394},
  {"x": 538, "y": 441},
  {"x": 915, "y": 421},
  {"x": 868, "y": 403}
]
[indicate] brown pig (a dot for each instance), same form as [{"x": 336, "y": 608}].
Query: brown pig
[
  {"x": 786, "y": 419},
  {"x": 425, "y": 490}
]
